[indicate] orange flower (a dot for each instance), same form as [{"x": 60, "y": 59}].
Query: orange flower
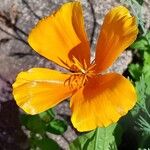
[{"x": 96, "y": 99}]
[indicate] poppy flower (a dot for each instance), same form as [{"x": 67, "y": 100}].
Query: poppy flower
[{"x": 96, "y": 99}]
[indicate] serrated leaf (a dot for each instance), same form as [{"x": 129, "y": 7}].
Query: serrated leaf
[
  {"x": 142, "y": 43},
  {"x": 144, "y": 125},
  {"x": 57, "y": 126},
  {"x": 143, "y": 91},
  {"x": 141, "y": 87},
  {"x": 99, "y": 139},
  {"x": 146, "y": 66},
  {"x": 146, "y": 58},
  {"x": 135, "y": 71}
]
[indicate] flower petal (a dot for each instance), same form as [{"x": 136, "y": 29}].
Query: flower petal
[
  {"x": 118, "y": 31},
  {"x": 102, "y": 101},
  {"x": 40, "y": 89},
  {"x": 61, "y": 36}
]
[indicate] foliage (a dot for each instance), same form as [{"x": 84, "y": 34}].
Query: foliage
[
  {"x": 57, "y": 126},
  {"x": 99, "y": 139},
  {"x": 140, "y": 73},
  {"x": 43, "y": 144},
  {"x": 39, "y": 126},
  {"x": 141, "y": 43}
]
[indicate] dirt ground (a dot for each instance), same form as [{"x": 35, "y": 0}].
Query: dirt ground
[{"x": 17, "y": 18}]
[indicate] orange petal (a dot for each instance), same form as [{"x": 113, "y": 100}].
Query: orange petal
[
  {"x": 118, "y": 31},
  {"x": 61, "y": 36},
  {"x": 40, "y": 89},
  {"x": 102, "y": 101}
]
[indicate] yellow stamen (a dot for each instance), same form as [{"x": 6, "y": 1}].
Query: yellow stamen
[{"x": 78, "y": 65}]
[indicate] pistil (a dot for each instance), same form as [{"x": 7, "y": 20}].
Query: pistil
[{"x": 79, "y": 78}]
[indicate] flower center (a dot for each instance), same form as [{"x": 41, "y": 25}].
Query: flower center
[{"x": 81, "y": 76}]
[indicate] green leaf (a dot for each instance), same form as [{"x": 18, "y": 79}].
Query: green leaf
[
  {"x": 147, "y": 91},
  {"x": 99, "y": 139},
  {"x": 140, "y": 2},
  {"x": 143, "y": 88},
  {"x": 140, "y": 88},
  {"x": 144, "y": 125},
  {"x": 44, "y": 144},
  {"x": 142, "y": 43},
  {"x": 146, "y": 66},
  {"x": 83, "y": 140},
  {"x": 144, "y": 143},
  {"x": 135, "y": 71},
  {"x": 33, "y": 123},
  {"x": 47, "y": 116},
  {"x": 142, "y": 109},
  {"x": 57, "y": 126},
  {"x": 113, "y": 146},
  {"x": 51, "y": 112},
  {"x": 141, "y": 96}
]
